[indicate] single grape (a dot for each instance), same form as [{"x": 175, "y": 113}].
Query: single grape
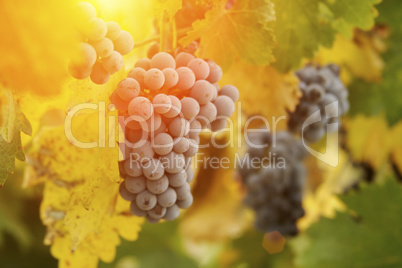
[
  {"x": 185, "y": 203},
  {"x": 179, "y": 127},
  {"x": 190, "y": 174},
  {"x": 195, "y": 129},
  {"x": 124, "y": 43},
  {"x": 86, "y": 56},
  {"x": 152, "y": 50},
  {"x": 136, "y": 210},
  {"x": 175, "y": 109},
  {"x": 131, "y": 122},
  {"x": 138, "y": 74},
  {"x": 125, "y": 194},
  {"x": 162, "y": 103},
  {"x": 215, "y": 73},
  {"x": 134, "y": 136},
  {"x": 135, "y": 184},
  {"x": 183, "y": 58},
  {"x": 158, "y": 186},
  {"x": 85, "y": 11},
  {"x": 96, "y": 29},
  {"x": 207, "y": 114},
  {"x": 79, "y": 72},
  {"x": 146, "y": 200},
  {"x": 181, "y": 145},
  {"x": 200, "y": 68},
  {"x": 143, "y": 63},
  {"x": 113, "y": 30},
  {"x": 177, "y": 179},
  {"x": 186, "y": 78},
  {"x": 163, "y": 144},
  {"x": 103, "y": 47},
  {"x": 202, "y": 91},
  {"x": 153, "y": 169},
  {"x": 99, "y": 75},
  {"x": 113, "y": 63},
  {"x": 132, "y": 168},
  {"x": 172, "y": 213},
  {"x": 128, "y": 89},
  {"x": 161, "y": 129},
  {"x": 224, "y": 106},
  {"x": 142, "y": 107},
  {"x": 193, "y": 149},
  {"x": 189, "y": 107},
  {"x": 163, "y": 60},
  {"x": 157, "y": 212},
  {"x": 167, "y": 198},
  {"x": 171, "y": 78},
  {"x": 219, "y": 124},
  {"x": 183, "y": 191},
  {"x": 172, "y": 162},
  {"x": 230, "y": 91},
  {"x": 142, "y": 152},
  {"x": 154, "y": 79}
]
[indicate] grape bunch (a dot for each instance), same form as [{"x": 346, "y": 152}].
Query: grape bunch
[
  {"x": 325, "y": 96},
  {"x": 101, "y": 48},
  {"x": 274, "y": 175},
  {"x": 164, "y": 103}
]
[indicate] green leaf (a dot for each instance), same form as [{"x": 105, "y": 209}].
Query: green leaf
[
  {"x": 369, "y": 236},
  {"x": 12, "y": 122},
  {"x": 303, "y": 26},
  {"x": 375, "y": 98},
  {"x": 243, "y": 31},
  {"x": 350, "y": 14}
]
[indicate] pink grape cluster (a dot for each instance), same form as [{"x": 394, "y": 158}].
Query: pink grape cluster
[
  {"x": 164, "y": 104},
  {"x": 101, "y": 48}
]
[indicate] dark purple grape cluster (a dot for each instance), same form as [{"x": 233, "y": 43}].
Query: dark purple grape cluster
[
  {"x": 324, "y": 100},
  {"x": 275, "y": 185}
]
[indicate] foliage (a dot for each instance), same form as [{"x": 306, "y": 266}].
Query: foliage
[
  {"x": 374, "y": 98},
  {"x": 243, "y": 31},
  {"x": 368, "y": 235},
  {"x": 12, "y": 122},
  {"x": 303, "y": 26}
]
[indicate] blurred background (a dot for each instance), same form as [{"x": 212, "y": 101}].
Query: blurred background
[{"x": 353, "y": 212}]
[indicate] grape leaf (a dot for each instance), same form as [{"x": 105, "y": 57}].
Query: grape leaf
[
  {"x": 361, "y": 132},
  {"x": 270, "y": 94},
  {"x": 243, "y": 31},
  {"x": 79, "y": 206},
  {"x": 37, "y": 43},
  {"x": 351, "y": 14},
  {"x": 370, "y": 237},
  {"x": 385, "y": 96},
  {"x": 12, "y": 122},
  {"x": 359, "y": 57},
  {"x": 303, "y": 26},
  {"x": 396, "y": 150}
]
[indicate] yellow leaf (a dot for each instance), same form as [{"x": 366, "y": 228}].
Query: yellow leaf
[
  {"x": 264, "y": 91},
  {"x": 79, "y": 207},
  {"x": 38, "y": 39},
  {"x": 396, "y": 151},
  {"x": 367, "y": 139},
  {"x": 360, "y": 56}
]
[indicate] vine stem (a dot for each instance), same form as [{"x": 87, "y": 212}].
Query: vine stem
[{"x": 180, "y": 32}]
